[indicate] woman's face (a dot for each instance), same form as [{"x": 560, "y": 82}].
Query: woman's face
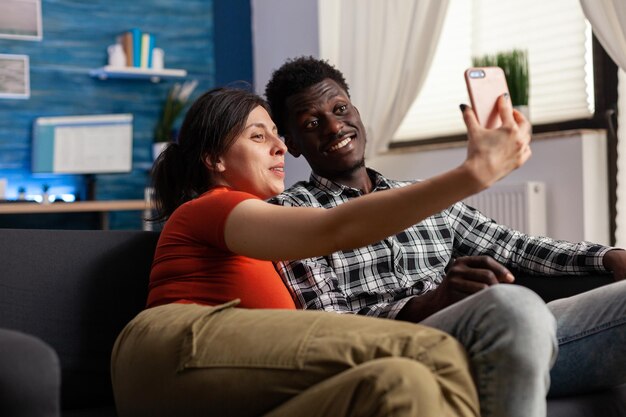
[{"x": 255, "y": 163}]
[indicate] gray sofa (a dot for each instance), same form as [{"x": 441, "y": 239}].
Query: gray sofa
[{"x": 76, "y": 289}]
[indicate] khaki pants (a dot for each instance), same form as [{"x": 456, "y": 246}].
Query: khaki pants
[{"x": 189, "y": 360}]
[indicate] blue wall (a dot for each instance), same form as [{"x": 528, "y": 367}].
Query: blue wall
[
  {"x": 75, "y": 37},
  {"x": 233, "y": 41}
]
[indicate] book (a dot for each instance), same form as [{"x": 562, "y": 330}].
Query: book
[
  {"x": 136, "y": 35},
  {"x": 145, "y": 48},
  {"x": 138, "y": 47},
  {"x": 127, "y": 43},
  {"x": 151, "y": 50}
]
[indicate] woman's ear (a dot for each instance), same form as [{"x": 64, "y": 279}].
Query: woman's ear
[
  {"x": 215, "y": 167},
  {"x": 292, "y": 147}
]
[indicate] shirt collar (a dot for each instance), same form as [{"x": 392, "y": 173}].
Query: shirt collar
[{"x": 379, "y": 183}]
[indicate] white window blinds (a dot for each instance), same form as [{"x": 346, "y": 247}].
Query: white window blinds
[{"x": 557, "y": 38}]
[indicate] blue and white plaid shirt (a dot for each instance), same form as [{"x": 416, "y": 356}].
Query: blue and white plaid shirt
[{"x": 379, "y": 279}]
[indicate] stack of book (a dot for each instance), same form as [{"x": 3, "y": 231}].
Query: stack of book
[{"x": 138, "y": 47}]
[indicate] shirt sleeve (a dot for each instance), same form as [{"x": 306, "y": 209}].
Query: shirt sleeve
[
  {"x": 476, "y": 234},
  {"x": 205, "y": 217},
  {"x": 312, "y": 282},
  {"x": 314, "y": 285}
]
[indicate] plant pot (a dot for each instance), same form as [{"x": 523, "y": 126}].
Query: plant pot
[{"x": 157, "y": 148}]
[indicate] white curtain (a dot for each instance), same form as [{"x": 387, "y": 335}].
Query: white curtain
[
  {"x": 620, "y": 220},
  {"x": 608, "y": 20},
  {"x": 384, "y": 48}
]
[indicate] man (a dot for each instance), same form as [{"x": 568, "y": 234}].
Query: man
[{"x": 445, "y": 271}]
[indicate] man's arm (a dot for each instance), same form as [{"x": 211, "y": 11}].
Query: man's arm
[
  {"x": 483, "y": 246},
  {"x": 476, "y": 234}
]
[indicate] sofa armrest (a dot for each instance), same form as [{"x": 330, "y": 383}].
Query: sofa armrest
[{"x": 30, "y": 376}]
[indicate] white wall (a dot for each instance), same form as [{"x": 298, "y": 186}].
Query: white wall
[
  {"x": 283, "y": 29},
  {"x": 573, "y": 166}
]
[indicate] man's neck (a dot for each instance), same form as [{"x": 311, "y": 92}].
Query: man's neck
[{"x": 358, "y": 179}]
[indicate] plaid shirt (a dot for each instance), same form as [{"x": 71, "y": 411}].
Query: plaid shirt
[{"x": 379, "y": 279}]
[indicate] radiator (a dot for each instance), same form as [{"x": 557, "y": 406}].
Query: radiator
[{"x": 519, "y": 206}]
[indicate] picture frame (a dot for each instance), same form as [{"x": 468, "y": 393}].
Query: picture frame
[
  {"x": 14, "y": 76},
  {"x": 21, "y": 20}
]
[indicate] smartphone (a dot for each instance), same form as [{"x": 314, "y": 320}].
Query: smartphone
[{"x": 484, "y": 86}]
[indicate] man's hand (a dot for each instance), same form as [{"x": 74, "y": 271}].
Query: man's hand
[
  {"x": 615, "y": 261},
  {"x": 466, "y": 276}
]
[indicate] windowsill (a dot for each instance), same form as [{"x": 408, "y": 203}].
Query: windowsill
[
  {"x": 549, "y": 130},
  {"x": 405, "y": 147}
]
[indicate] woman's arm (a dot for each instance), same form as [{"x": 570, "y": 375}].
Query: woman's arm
[{"x": 261, "y": 230}]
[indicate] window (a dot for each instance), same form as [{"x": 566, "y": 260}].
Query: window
[{"x": 557, "y": 38}]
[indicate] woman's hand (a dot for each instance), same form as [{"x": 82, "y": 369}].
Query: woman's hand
[{"x": 494, "y": 153}]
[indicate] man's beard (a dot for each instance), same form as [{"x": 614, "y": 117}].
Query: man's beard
[
  {"x": 352, "y": 169},
  {"x": 359, "y": 164}
]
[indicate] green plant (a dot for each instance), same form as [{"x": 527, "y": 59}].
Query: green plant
[
  {"x": 177, "y": 98},
  {"x": 515, "y": 66}
]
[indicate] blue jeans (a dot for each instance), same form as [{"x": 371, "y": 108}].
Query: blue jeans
[
  {"x": 511, "y": 338},
  {"x": 591, "y": 331}
]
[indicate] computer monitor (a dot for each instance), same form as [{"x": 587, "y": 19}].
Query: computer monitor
[{"x": 98, "y": 144}]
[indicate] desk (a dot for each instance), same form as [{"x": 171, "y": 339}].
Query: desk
[{"x": 104, "y": 207}]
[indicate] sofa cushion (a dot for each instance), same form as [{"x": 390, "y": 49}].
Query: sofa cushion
[
  {"x": 75, "y": 289},
  {"x": 609, "y": 403}
]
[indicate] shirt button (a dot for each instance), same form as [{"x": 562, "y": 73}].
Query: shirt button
[{"x": 399, "y": 269}]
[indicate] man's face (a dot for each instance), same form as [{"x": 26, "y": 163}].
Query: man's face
[{"x": 324, "y": 126}]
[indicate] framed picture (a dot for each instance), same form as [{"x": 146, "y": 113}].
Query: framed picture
[
  {"x": 20, "y": 19},
  {"x": 14, "y": 76}
]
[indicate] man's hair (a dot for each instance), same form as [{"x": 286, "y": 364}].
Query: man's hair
[{"x": 294, "y": 76}]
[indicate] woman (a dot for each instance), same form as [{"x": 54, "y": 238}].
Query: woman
[{"x": 220, "y": 336}]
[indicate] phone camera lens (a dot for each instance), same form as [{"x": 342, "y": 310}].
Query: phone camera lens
[{"x": 477, "y": 74}]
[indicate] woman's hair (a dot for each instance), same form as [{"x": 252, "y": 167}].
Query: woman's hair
[
  {"x": 294, "y": 76},
  {"x": 209, "y": 129}
]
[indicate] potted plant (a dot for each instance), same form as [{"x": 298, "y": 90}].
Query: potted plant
[
  {"x": 176, "y": 100},
  {"x": 515, "y": 66}
]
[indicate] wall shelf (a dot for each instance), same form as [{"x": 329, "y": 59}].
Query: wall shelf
[
  {"x": 153, "y": 75},
  {"x": 101, "y": 206}
]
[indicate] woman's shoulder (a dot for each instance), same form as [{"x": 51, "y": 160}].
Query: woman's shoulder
[
  {"x": 216, "y": 199},
  {"x": 222, "y": 194},
  {"x": 206, "y": 214}
]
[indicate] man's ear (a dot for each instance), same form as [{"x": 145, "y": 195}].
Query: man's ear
[
  {"x": 217, "y": 167},
  {"x": 292, "y": 146}
]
